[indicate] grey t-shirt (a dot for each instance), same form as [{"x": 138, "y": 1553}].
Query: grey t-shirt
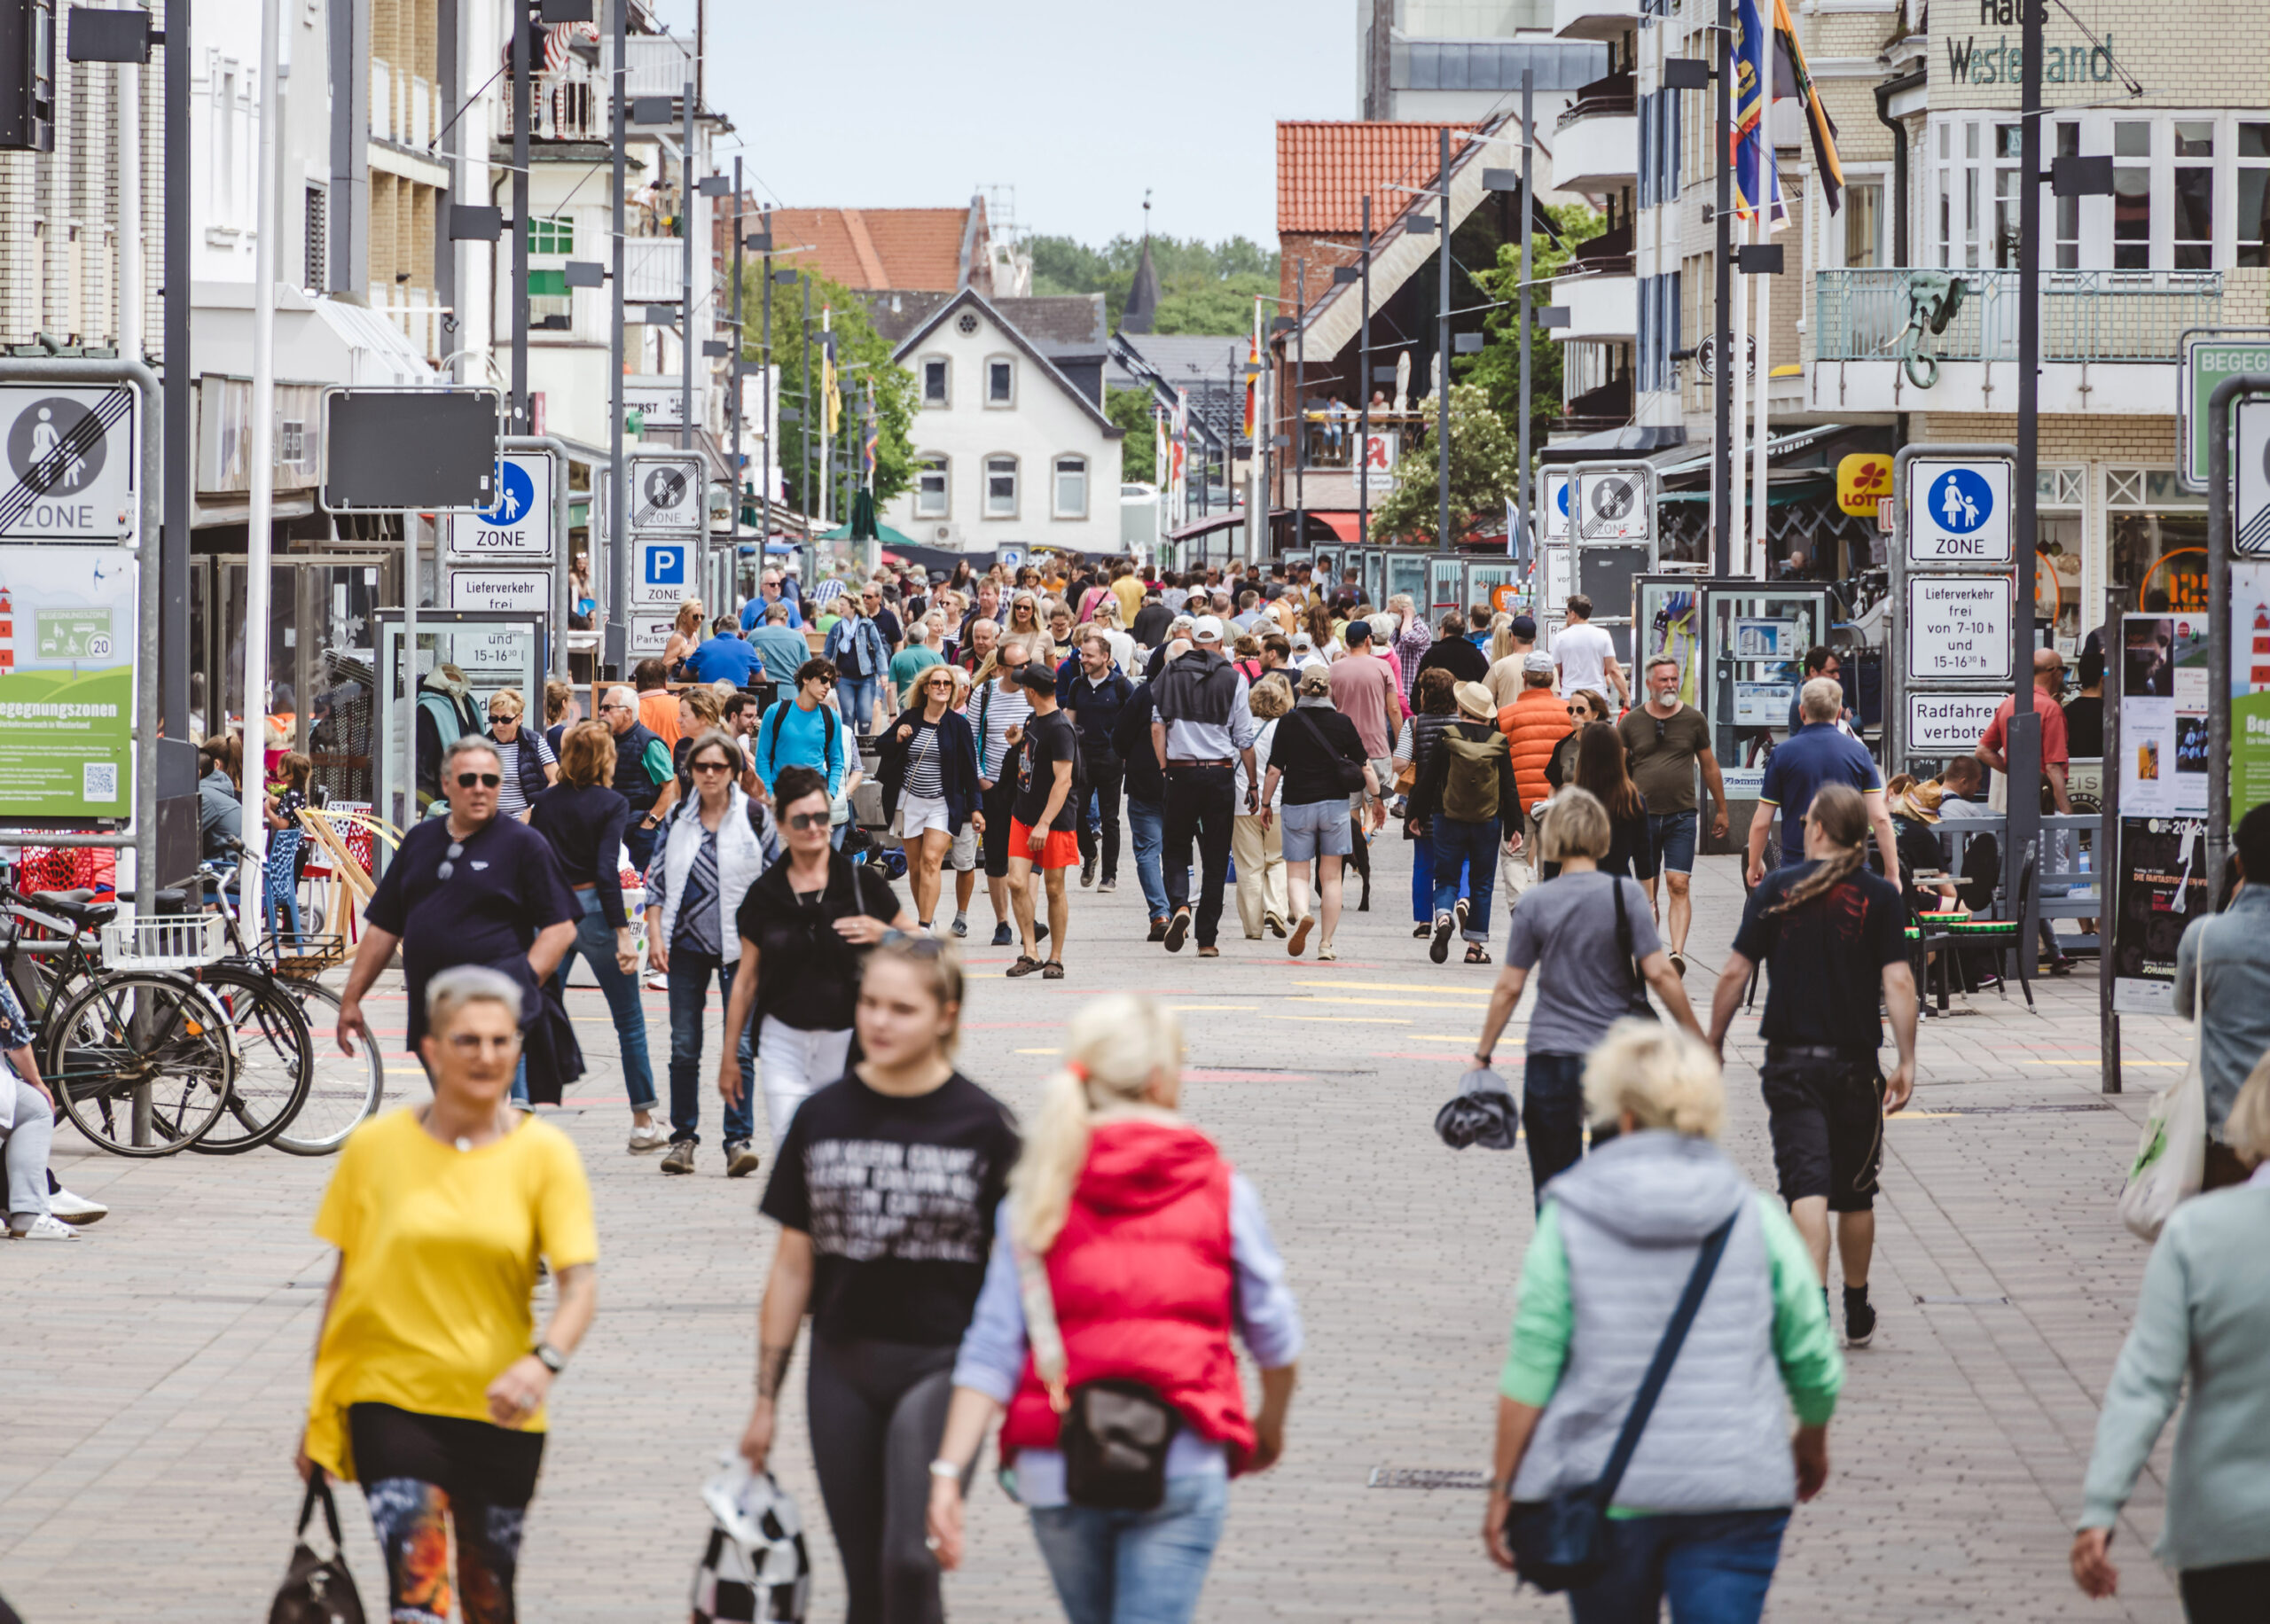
[{"x": 1569, "y": 925}]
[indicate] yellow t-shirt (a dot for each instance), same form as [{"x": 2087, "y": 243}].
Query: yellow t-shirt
[
  {"x": 438, "y": 1250},
  {"x": 1129, "y": 591}
]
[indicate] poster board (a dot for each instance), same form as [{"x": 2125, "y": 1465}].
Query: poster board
[
  {"x": 2163, "y": 887},
  {"x": 68, "y": 637}
]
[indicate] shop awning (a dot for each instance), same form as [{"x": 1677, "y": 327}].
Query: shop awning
[
  {"x": 1207, "y": 527},
  {"x": 1348, "y": 526}
]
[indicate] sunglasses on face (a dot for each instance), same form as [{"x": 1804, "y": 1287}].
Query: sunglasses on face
[
  {"x": 501, "y": 717},
  {"x": 487, "y": 780},
  {"x": 804, "y": 823},
  {"x": 712, "y": 767},
  {"x": 618, "y": 705}
]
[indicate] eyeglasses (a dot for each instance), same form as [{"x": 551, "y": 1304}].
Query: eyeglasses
[
  {"x": 487, "y": 780},
  {"x": 712, "y": 766},
  {"x": 450, "y": 860},
  {"x": 806, "y": 822},
  {"x": 614, "y": 705}
]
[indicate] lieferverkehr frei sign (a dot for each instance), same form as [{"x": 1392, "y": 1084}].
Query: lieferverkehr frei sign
[{"x": 1974, "y": 60}]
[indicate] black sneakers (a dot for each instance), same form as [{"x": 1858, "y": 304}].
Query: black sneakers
[
  {"x": 1177, "y": 930},
  {"x": 1860, "y": 1317}
]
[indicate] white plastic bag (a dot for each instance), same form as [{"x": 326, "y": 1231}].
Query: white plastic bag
[
  {"x": 2171, "y": 1157},
  {"x": 755, "y": 1565}
]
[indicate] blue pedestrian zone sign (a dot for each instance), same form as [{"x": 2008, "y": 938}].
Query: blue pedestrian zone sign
[
  {"x": 518, "y": 523},
  {"x": 515, "y": 496},
  {"x": 1958, "y": 512}
]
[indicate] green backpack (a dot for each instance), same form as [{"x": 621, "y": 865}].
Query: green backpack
[{"x": 1470, "y": 775}]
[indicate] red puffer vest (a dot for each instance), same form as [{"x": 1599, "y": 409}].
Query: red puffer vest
[{"x": 1143, "y": 1285}]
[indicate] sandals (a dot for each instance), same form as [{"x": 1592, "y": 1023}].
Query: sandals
[
  {"x": 1025, "y": 965},
  {"x": 1476, "y": 954},
  {"x": 1052, "y": 970}
]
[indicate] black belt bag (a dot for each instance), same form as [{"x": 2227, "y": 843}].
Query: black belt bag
[
  {"x": 1562, "y": 1543},
  {"x": 1115, "y": 1432}
]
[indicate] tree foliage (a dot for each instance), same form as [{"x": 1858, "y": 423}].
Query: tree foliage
[
  {"x": 1497, "y": 368},
  {"x": 1131, "y": 410},
  {"x": 1193, "y": 276},
  {"x": 1485, "y": 471},
  {"x": 863, "y": 357}
]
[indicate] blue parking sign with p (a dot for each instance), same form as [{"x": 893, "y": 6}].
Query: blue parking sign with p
[{"x": 666, "y": 566}]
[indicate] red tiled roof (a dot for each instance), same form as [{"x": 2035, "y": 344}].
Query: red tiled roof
[
  {"x": 1324, "y": 168},
  {"x": 905, "y": 248}
]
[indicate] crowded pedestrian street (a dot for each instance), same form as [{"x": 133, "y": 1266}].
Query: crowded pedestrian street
[{"x": 161, "y": 1368}]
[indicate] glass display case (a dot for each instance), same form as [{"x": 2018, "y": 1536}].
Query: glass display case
[{"x": 1741, "y": 648}]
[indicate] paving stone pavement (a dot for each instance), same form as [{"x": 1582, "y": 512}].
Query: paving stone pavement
[{"x": 158, "y": 1369}]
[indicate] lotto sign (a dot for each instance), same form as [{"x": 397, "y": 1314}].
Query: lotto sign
[
  {"x": 528, "y": 590},
  {"x": 1958, "y": 627},
  {"x": 1958, "y": 512},
  {"x": 665, "y": 569},
  {"x": 519, "y": 523},
  {"x": 2250, "y": 513},
  {"x": 1613, "y": 506},
  {"x": 70, "y": 464},
  {"x": 1556, "y": 506},
  {"x": 1949, "y": 723},
  {"x": 667, "y": 493}
]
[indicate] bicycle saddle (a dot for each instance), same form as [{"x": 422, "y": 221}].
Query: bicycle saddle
[{"x": 75, "y": 907}]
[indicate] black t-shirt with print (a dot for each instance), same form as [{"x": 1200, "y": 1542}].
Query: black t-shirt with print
[
  {"x": 1048, "y": 740},
  {"x": 1824, "y": 957},
  {"x": 898, "y": 1196}
]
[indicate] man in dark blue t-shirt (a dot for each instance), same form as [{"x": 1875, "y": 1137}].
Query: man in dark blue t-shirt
[
  {"x": 1815, "y": 754},
  {"x": 725, "y": 657}
]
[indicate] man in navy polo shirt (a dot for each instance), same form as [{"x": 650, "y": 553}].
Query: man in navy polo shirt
[{"x": 1817, "y": 753}]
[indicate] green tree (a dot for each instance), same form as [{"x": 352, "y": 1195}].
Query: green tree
[
  {"x": 863, "y": 356},
  {"x": 1192, "y": 268},
  {"x": 1497, "y": 368},
  {"x": 1485, "y": 464},
  {"x": 1223, "y": 307},
  {"x": 1131, "y": 408}
]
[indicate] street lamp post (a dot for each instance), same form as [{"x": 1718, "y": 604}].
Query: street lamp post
[
  {"x": 618, "y": 563},
  {"x": 1722, "y": 286},
  {"x": 1363, "y": 392},
  {"x": 1443, "y": 357}
]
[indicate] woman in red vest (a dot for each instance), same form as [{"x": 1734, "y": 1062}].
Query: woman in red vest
[{"x": 1140, "y": 1251}]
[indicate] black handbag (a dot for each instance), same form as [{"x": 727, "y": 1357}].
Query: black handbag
[
  {"x": 1561, "y": 1542},
  {"x": 1346, "y": 775},
  {"x": 1637, "y": 993},
  {"x": 317, "y": 1589},
  {"x": 1113, "y": 1431}
]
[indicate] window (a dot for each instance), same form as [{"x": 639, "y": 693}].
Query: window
[
  {"x": 1946, "y": 199},
  {"x": 968, "y": 325},
  {"x": 1863, "y": 224},
  {"x": 2006, "y": 137},
  {"x": 1000, "y": 382},
  {"x": 2194, "y": 195},
  {"x": 2069, "y": 209},
  {"x": 552, "y": 235},
  {"x": 2132, "y": 195},
  {"x": 1000, "y": 488},
  {"x": 934, "y": 381},
  {"x": 2253, "y": 230},
  {"x": 314, "y": 274},
  {"x": 931, "y": 497},
  {"x": 1071, "y": 488}
]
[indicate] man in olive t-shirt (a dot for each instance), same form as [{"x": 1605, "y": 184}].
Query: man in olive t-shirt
[{"x": 1665, "y": 740}]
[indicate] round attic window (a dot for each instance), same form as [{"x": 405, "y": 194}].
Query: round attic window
[{"x": 968, "y": 324}]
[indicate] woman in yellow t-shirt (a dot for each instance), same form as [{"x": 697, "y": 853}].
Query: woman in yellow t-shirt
[{"x": 429, "y": 1383}]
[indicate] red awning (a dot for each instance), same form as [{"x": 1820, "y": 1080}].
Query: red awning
[{"x": 1347, "y": 527}]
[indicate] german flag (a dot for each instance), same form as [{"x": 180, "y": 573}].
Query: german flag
[{"x": 1790, "y": 78}]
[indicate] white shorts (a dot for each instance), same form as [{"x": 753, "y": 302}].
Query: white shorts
[
  {"x": 793, "y": 1064},
  {"x": 918, "y": 813}
]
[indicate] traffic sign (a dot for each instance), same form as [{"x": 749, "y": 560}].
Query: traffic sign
[
  {"x": 1556, "y": 506},
  {"x": 2205, "y": 357},
  {"x": 1949, "y": 723},
  {"x": 668, "y": 493},
  {"x": 1613, "y": 507},
  {"x": 2250, "y": 470},
  {"x": 650, "y": 634},
  {"x": 70, "y": 473},
  {"x": 1958, "y": 627},
  {"x": 527, "y": 590},
  {"x": 519, "y": 523},
  {"x": 1959, "y": 510},
  {"x": 665, "y": 572}
]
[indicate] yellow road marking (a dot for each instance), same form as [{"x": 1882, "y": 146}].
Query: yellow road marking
[
  {"x": 1182, "y": 1008},
  {"x": 1410, "y": 1003},
  {"x": 1346, "y": 1020},
  {"x": 1402, "y": 986},
  {"x": 1040, "y": 1051}
]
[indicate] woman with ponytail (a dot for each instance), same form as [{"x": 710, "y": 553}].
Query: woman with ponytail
[{"x": 1145, "y": 1249}]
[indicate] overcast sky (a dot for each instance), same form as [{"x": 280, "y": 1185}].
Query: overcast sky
[{"x": 919, "y": 103}]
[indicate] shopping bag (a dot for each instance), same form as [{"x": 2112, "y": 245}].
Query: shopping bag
[{"x": 2171, "y": 1156}]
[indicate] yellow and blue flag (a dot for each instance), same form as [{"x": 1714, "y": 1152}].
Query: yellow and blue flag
[{"x": 1791, "y": 78}]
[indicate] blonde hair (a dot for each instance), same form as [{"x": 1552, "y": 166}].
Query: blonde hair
[
  {"x": 587, "y": 755},
  {"x": 509, "y": 698},
  {"x": 1270, "y": 698},
  {"x": 2247, "y": 1129},
  {"x": 708, "y": 709},
  {"x": 1659, "y": 1073},
  {"x": 689, "y": 617},
  {"x": 1117, "y": 1043},
  {"x": 1574, "y": 824}
]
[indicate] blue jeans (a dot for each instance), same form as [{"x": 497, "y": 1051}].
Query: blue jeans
[
  {"x": 1552, "y": 1115},
  {"x": 856, "y": 697},
  {"x": 1422, "y": 881},
  {"x": 1714, "y": 1566},
  {"x": 1147, "y": 830},
  {"x": 689, "y": 977},
  {"x": 1473, "y": 848},
  {"x": 1672, "y": 835},
  {"x": 1134, "y": 1567},
  {"x": 595, "y": 944}
]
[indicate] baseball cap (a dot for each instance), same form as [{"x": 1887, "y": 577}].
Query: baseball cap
[
  {"x": 1537, "y": 661},
  {"x": 1302, "y": 640},
  {"x": 1206, "y": 629},
  {"x": 1525, "y": 627},
  {"x": 1036, "y": 677}
]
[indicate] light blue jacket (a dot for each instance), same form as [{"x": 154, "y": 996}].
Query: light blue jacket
[{"x": 2236, "y": 945}]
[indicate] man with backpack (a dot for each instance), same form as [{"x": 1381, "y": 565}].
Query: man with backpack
[
  {"x": 1468, "y": 797},
  {"x": 1044, "y": 819},
  {"x": 803, "y": 732},
  {"x": 1201, "y": 726}
]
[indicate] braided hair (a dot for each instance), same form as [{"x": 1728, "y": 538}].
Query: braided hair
[{"x": 1841, "y": 816}]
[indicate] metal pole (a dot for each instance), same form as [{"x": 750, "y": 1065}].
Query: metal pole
[
  {"x": 2104, "y": 862},
  {"x": 804, "y": 421},
  {"x": 2218, "y": 616},
  {"x": 1762, "y": 217},
  {"x": 1722, "y": 403},
  {"x": 685, "y": 281},
  {"x": 1301, "y": 406},
  {"x": 1529, "y": 230},
  {"x": 618, "y": 495},
  {"x": 518, "y": 422},
  {"x": 2026, "y": 742},
  {"x": 1442, "y": 356},
  {"x": 764, "y": 360},
  {"x": 1364, "y": 396},
  {"x": 261, "y": 500},
  {"x": 555, "y": 448},
  {"x": 130, "y": 210},
  {"x": 178, "y": 485},
  {"x": 733, "y": 379}
]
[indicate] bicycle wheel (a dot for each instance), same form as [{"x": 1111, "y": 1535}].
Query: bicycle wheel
[
  {"x": 347, "y": 1089},
  {"x": 275, "y": 1059},
  {"x": 143, "y": 1061}
]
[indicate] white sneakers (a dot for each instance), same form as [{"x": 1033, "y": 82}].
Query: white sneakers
[
  {"x": 45, "y": 1227},
  {"x": 653, "y": 1136},
  {"x": 76, "y": 1209}
]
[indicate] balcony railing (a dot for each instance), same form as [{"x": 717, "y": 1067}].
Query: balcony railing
[
  {"x": 419, "y": 312},
  {"x": 568, "y": 105},
  {"x": 1608, "y": 255},
  {"x": 2123, "y": 316},
  {"x": 1613, "y": 95}
]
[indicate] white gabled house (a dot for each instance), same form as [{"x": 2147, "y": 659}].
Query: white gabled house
[{"x": 1011, "y": 449}]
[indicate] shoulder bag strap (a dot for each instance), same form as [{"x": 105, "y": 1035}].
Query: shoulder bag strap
[
  {"x": 1048, "y": 1360},
  {"x": 1706, "y": 1264},
  {"x": 1624, "y": 937},
  {"x": 320, "y": 1494}
]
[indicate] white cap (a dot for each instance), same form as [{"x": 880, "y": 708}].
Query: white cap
[{"x": 1206, "y": 629}]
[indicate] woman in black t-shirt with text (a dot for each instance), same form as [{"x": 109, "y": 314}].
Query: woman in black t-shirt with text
[{"x": 890, "y": 1282}]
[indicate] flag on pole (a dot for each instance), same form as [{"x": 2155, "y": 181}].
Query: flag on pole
[
  {"x": 1792, "y": 78},
  {"x": 831, "y": 398},
  {"x": 1757, "y": 182},
  {"x": 1252, "y": 384},
  {"x": 1179, "y": 447},
  {"x": 869, "y": 437}
]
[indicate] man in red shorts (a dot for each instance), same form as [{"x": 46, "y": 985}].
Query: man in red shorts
[{"x": 1043, "y": 818}]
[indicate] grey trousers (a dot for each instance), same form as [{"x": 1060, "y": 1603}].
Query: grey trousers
[{"x": 27, "y": 1145}]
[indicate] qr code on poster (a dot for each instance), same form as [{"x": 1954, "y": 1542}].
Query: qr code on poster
[{"x": 98, "y": 780}]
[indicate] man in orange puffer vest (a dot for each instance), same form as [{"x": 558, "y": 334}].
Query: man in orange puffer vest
[{"x": 1533, "y": 725}]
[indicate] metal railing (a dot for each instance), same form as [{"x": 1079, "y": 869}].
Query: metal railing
[
  {"x": 571, "y": 105},
  {"x": 419, "y": 312},
  {"x": 2136, "y": 315}
]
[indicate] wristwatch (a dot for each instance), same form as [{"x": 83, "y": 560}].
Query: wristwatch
[{"x": 549, "y": 1357}]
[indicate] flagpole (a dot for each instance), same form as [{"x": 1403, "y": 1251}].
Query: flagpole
[
  {"x": 1769, "y": 195},
  {"x": 1737, "y": 367}
]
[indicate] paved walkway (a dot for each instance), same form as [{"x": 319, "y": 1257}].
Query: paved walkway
[{"x": 158, "y": 1369}]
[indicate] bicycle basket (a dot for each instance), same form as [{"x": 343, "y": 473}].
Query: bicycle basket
[
  {"x": 309, "y": 954},
  {"x": 165, "y": 942}
]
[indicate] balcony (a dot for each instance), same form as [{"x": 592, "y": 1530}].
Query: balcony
[
  {"x": 571, "y": 103},
  {"x": 1602, "y": 308},
  {"x": 1596, "y": 142},
  {"x": 1595, "y": 20},
  {"x": 1606, "y": 407},
  {"x": 2108, "y": 341}
]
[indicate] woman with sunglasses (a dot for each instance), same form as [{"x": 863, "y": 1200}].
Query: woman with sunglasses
[
  {"x": 530, "y": 765},
  {"x": 929, "y": 782},
  {"x": 1585, "y": 707},
  {"x": 805, "y": 930},
  {"x": 715, "y": 845},
  {"x": 889, "y": 1295}
]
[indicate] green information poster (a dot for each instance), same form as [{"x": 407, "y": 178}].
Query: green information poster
[
  {"x": 2250, "y": 686},
  {"x": 66, "y": 684}
]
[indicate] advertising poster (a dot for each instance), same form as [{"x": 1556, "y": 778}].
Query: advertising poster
[
  {"x": 66, "y": 684},
  {"x": 2164, "y": 716},
  {"x": 2163, "y": 888},
  {"x": 2250, "y": 686}
]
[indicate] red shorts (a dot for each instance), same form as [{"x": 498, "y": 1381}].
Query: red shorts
[{"x": 1061, "y": 850}]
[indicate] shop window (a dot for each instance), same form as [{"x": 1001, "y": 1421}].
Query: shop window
[{"x": 2156, "y": 540}]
